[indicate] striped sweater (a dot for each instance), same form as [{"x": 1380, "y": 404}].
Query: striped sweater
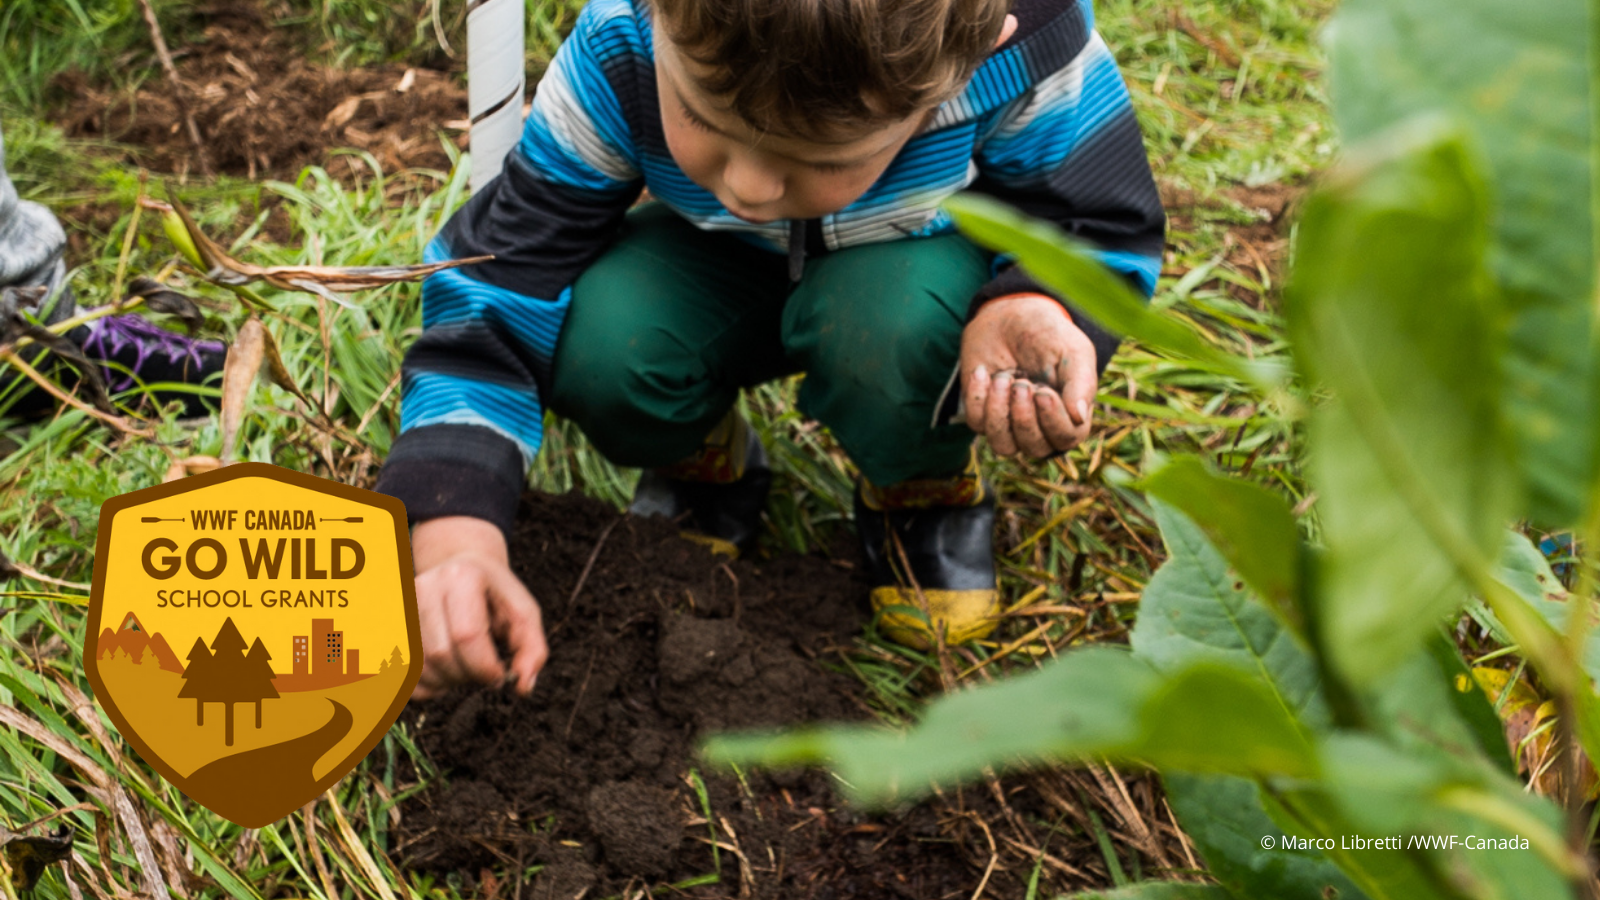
[{"x": 1044, "y": 124}]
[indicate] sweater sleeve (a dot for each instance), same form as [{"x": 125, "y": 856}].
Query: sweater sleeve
[
  {"x": 1069, "y": 150},
  {"x": 472, "y": 418}
]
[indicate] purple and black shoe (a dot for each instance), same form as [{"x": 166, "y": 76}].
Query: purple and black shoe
[{"x": 134, "y": 351}]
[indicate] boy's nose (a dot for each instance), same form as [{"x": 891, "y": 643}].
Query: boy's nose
[{"x": 751, "y": 184}]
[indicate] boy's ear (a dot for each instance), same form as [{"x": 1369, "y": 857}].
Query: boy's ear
[{"x": 1006, "y": 30}]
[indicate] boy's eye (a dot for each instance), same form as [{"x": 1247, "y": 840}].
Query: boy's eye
[
  {"x": 831, "y": 168},
  {"x": 694, "y": 120}
]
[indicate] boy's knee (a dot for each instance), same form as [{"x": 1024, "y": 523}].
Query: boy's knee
[
  {"x": 637, "y": 397},
  {"x": 889, "y": 354}
]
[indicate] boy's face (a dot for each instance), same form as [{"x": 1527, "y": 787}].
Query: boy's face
[{"x": 763, "y": 177}]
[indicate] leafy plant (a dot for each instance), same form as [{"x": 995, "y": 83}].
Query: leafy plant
[{"x": 1302, "y": 698}]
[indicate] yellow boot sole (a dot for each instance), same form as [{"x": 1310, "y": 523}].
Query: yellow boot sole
[{"x": 963, "y": 615}]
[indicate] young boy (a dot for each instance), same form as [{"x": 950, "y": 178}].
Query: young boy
[{"x": 797, "y": 152}]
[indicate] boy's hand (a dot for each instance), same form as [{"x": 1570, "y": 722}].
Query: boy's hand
[
  {"x": 1027, "y": 333},
  {"x": 467, "y": 596}
]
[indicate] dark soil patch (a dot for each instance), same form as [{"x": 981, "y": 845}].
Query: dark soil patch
[
  {"x": 263, "y": 110},
  {"x": 1258, "y": 248},
  {"x": 590, "y": 777}
]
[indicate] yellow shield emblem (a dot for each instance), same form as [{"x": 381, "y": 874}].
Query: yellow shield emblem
[{"x": 253, "y": 632}]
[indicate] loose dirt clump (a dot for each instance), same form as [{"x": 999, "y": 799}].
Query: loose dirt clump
[
  {"x": 654, "y": 643},
  {"x": 263, "y": 110}
]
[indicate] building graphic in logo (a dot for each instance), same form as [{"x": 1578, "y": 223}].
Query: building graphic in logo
[{"x": 227, "y": 623}]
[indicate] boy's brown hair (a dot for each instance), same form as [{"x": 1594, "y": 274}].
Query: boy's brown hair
[{"x": 816, "y": 69}]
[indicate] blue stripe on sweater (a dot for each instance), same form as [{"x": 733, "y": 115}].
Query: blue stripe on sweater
[
  {"x": 435, "y": 399},
  {"x": 1055, "y": 132},
  {"x": 1143, "y": 269},
  {"x": 454, "y": 296}
]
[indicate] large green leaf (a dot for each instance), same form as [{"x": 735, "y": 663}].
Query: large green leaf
[
  {"x": 1308, "y": 812},
  {"x": 1420, "y": 791},
  {"x": 1526, "y": 571},
  {"x": 1096, "y": 702},
  {"x": 1516, "y": 74},
  {"x": 1458, "y": 713},
  {"x": 1391, "y": 306},
  {"x": 1223, "y": 815},
  {"x": 1194, "y": 609},
  {"x": 1252, "y": 527}
]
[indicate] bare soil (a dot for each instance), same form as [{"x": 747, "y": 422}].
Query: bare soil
[
  {"x": 593, "y": 778},
  {"x": 263, "y": 110},
  {"x": 1260, "y": 248}
]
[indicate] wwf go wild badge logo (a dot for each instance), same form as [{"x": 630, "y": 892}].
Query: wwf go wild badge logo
[{"x": 253, "y": 632}]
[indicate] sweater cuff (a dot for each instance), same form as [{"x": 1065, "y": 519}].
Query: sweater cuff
[
  {"x": 455, "y": 470},
  {"x": 1013, "y": 280}
]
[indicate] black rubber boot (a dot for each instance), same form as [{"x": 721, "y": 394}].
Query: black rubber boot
[
  {"x": 718, "y": 494},
  {"x": 931, "y": 563}
]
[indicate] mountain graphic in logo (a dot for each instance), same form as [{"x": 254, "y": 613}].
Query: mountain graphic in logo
[{"x": 139, "y": 646}]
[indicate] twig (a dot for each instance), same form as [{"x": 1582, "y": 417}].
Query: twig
[
  {"x": 117, "y": 422},
  {"x": 29, "y": 572},
  {"x": 589, "y": 566},
  {"x": 578, "y": 702},
  {"x": 127, "y": 239},
  {"x": 1049, "y": 860},
  {"x": 994, "y": 855},
  {"x": 1183, "y": 837},
  {"x": 315, "y": 849},
  {"x": 55, "y": 815},
  {"x": 583, "y": 576},
  {"x": 947, "y": 676},
  {"x": 160, "y": 43}
]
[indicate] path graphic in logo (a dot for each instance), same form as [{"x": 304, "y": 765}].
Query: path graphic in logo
[{"x": 253, "y": 632}]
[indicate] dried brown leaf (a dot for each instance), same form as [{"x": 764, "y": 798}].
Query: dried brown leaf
[
  {"x": 322, "y": 280},
  {"x": 238, "y": 376},
  {"x": 344, "y": 112},
  {"x": 30, "y": 856},
  {"x": 162, "y": 299},
  {"x": 279, "y": 373},
  {"x": 190, "y": 465}
]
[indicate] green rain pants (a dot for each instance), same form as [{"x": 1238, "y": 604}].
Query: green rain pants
[{"x": 671, "y": 322}]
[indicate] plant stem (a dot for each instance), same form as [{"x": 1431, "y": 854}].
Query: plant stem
[{"x": 160, "y": 44}]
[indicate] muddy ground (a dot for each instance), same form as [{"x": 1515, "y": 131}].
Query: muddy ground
[
  {"x": 660, "y": 644},
  {"x": 262, "y": 109}
]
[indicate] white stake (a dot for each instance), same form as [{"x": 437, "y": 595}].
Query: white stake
[{"x": 495, "y": 83}]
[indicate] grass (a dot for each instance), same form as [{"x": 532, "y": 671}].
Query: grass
[{"x": 1228, "y": 93}]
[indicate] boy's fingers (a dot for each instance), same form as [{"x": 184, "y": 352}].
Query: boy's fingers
[
  {"x": 997, "y": 416},
  {"x": 439, "y": 669},
  {"x": 523, "y": 624},
  {"x": 475, "y": 653},
  {"x": 1080, "y": 379},
  {"x": 1025, "y": 421},
  {"x": 975, "y": 396},
  {"x": 1059, "y": 428}
]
